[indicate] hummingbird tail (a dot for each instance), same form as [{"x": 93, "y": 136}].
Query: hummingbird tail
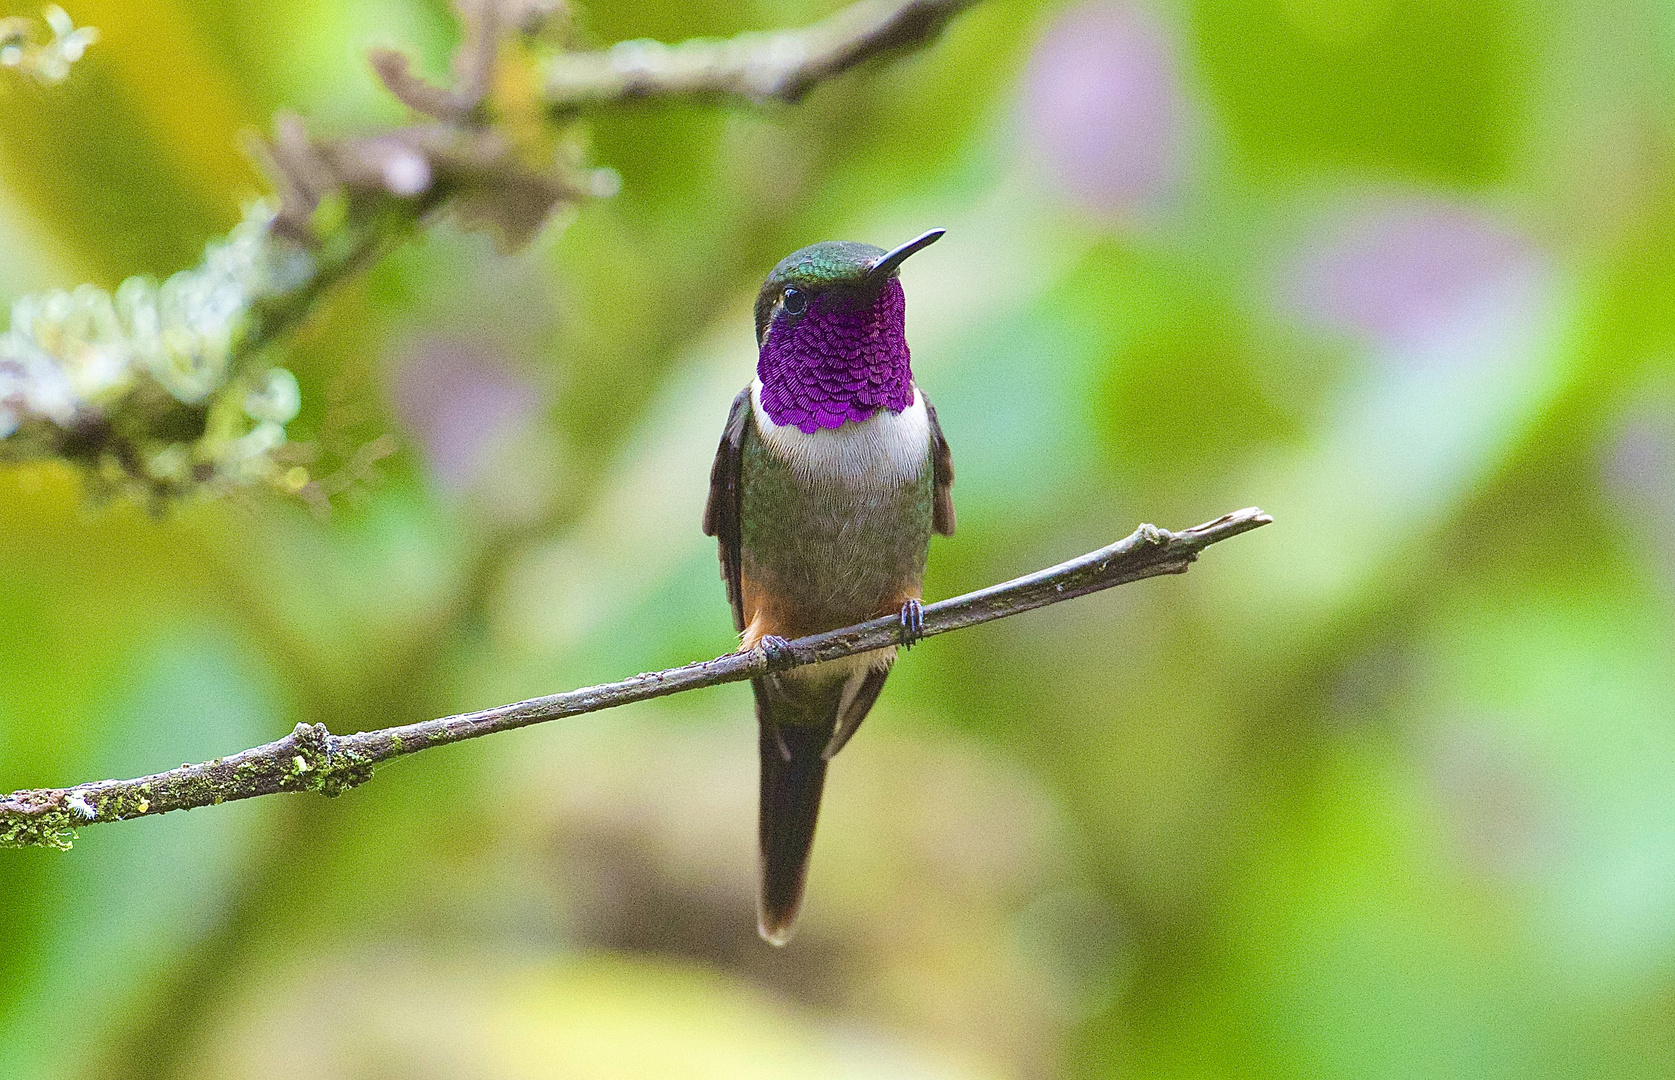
[
  {"x": 793, "y": 776},
  {"x": 802, "y": 724}
]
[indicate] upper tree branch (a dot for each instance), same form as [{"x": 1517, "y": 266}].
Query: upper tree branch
[
  {"x": 313, "y": 759},
  {"x": 759, "y": 67},
  {"x": 169, "y": 391}
]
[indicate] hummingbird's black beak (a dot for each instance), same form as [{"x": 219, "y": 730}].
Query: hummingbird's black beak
[{"x": 890, "y": 260}]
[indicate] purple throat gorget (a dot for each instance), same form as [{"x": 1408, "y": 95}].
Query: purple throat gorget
[{"x": 837, "y": 362}]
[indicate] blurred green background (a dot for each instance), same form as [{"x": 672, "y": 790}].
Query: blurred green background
[{"x": 1384, "y": 790}]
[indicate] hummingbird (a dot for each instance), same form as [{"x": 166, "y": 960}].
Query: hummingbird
[{"x": 831, "y": 476}]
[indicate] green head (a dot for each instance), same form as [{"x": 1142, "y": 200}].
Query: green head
[
  {"x": 833, "y": 267},
  {"x": 831, "y": 335}
]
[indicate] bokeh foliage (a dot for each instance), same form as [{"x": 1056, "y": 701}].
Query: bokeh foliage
[{"x": 1382, "y": 790}]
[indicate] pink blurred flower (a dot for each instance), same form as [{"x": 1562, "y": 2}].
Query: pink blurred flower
[
  {"x": 463, "y": 403},
  {"x": 1102, "y": 107},
  {"x": 1494, "y": 797},
  {"x": 1403, "y": 270},
  {"x": 1641, "y": 465},
  {"x": 1638, "y": 474}
]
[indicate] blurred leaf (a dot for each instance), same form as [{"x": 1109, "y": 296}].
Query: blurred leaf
[
  {"x": 1184, "y": 391},
  {"x": 1404, "y": 88}
]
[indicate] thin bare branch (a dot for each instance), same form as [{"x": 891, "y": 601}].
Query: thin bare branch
[
  {"x": 313, "y": 759},
  {"x": 755, "y": 67}
]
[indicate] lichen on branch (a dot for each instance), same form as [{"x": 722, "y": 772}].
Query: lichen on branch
[
  {"x": 48, "y": 61},
  {"x": 140, "y": 386},
  {"x": 165, "y": 390},
  {"x": 169, "y": 390},
  {"x": 310, "y": 758}
]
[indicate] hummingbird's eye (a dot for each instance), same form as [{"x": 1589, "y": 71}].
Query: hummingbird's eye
[{"x": 795, "y": 301}]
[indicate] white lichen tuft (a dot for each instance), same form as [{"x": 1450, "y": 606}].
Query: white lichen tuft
[
  {"x": 45, "y": 61},
  {"x": 79, "y": 804},
  {"x": 143, "y": 382}
]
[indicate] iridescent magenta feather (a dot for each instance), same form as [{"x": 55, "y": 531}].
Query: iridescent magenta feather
[{"x": 839, "y": 361}]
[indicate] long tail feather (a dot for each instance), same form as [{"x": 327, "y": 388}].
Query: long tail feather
[
  {"x": 793, "y": 776},
  {"x": 802, "y": 724}
]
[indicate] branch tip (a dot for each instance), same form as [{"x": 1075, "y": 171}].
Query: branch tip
[{"x": 754, "y": 69}]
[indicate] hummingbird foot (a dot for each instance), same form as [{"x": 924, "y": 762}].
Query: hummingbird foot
[
  {"x": 775, "y": 649},
  {"x": 912, "y": 619}
]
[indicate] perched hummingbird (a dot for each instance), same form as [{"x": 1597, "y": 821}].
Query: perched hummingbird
[{"x": 831, "y": 476}]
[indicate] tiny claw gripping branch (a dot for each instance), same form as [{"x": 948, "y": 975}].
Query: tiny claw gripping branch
[
  {"x": 912, "y": 620},
  {"x": 777, "y": 652}
]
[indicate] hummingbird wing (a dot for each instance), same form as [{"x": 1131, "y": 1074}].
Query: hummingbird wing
[
  {"x": 793, "y": 770},
  {"x": 721, "y": 513},
  {"x": 854, "y": 708},
  {"x": 942, "y": 478}
]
